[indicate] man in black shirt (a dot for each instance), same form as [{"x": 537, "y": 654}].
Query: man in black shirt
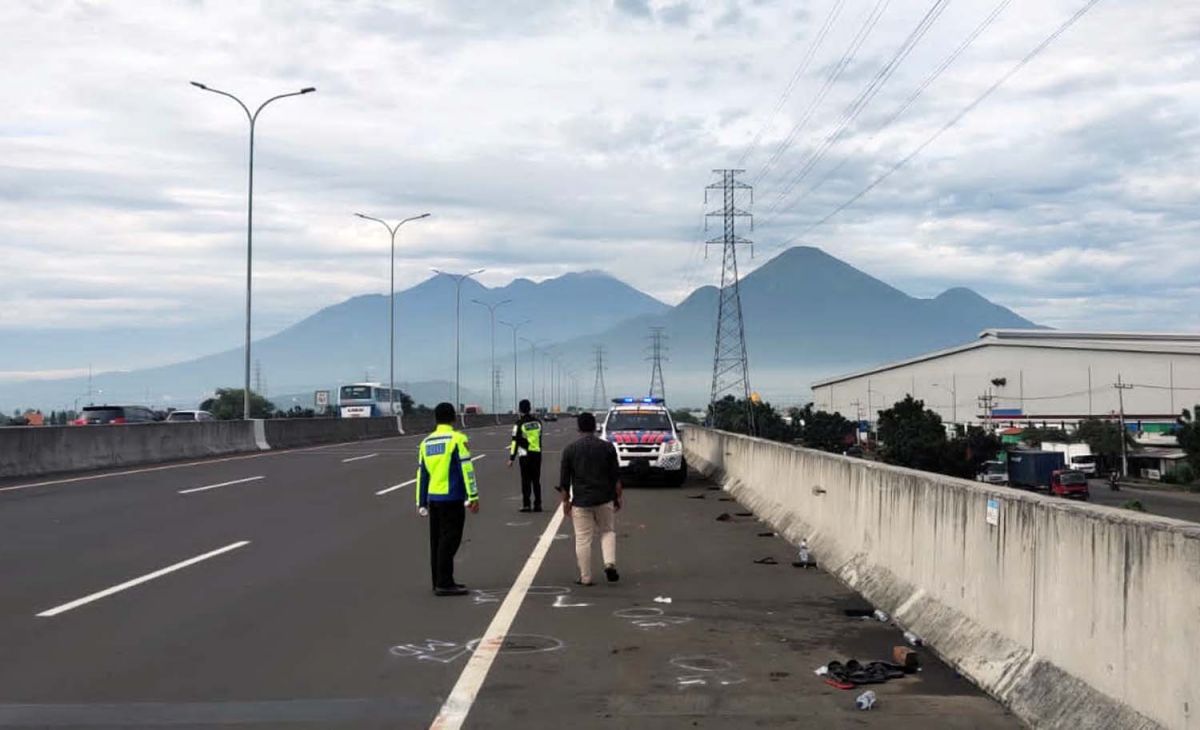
[{"x": 589, "y": 482}]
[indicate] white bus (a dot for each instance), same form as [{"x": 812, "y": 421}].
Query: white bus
[{"x": 366, "y": 400}]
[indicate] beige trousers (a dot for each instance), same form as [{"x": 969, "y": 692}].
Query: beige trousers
[{"x": 589, "y": 520}]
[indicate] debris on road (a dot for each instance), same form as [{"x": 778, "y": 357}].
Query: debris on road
[
  {"x": 880, "y": 616},
  {"x": 912, "y": 638},
  {"x": 804, "y": 558},
  {"x": 696, "y": 496},
  {"x": 865, "y": 701},
  {"x": 766, "y": 534},
  {"x": 724, "y": 517},
  {"x": 662, "y": 599},
  {"x": 767, "y": 561},
  {"x": 854, "y": 673},
  {"x": 858, "y": 612},
  {"x": 906, "y": 658}
]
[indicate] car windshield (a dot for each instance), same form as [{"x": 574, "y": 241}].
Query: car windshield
[
  {"x": 182, "y": 416},
  {"x": 996, "y": 469},
  {"x": 1087, "y": 459},
  {"x": 356, "y": 392},
  {"x": 102, "y": 414},
  {"x": 1072, "y": 478},
  {"x": 625, "y": 421}
]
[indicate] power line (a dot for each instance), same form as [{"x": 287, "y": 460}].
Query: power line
[
  {"x": 864, "y": 98},
  {"x": 835, "y": 73},
  {"x": 953, "y": 121},
  {"x": 916, "y": 94},
  {"x": 801, "y": 69}
]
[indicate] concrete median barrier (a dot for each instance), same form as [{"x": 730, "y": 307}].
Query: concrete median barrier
[
  {"x": 32, "y": 451},
  {"x": 1073, "y": 615},
  {"x": 287, "y": 433}
]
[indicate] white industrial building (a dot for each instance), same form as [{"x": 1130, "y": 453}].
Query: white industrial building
[{"x": 1033, "y": 377}]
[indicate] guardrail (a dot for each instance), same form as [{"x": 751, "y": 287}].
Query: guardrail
[{"x": 1073, "y": 615}]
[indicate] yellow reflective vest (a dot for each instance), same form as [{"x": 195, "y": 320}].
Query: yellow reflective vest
[{"x": 444, "y": 469}]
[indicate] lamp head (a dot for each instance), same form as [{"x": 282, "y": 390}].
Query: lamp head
[{"x": 308, "y": 89}]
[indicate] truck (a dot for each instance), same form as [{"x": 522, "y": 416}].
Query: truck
[
  {"x": 1046, "y": 471},
  {"x": 1078, "y": 456}
]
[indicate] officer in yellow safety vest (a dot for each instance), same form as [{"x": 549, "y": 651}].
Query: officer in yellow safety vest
[
  {"x": 445, "y": 491},
  {"x": 527, "y": 447}
]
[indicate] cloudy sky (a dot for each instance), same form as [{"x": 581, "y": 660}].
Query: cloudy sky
[{"x": 553, "y": 136}]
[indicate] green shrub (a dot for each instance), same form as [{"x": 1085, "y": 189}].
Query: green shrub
[{"x": 1134, "y": 504}]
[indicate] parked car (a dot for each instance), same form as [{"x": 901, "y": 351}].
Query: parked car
[
  {"x": 180, "y": 416},
  {"x": 113, "y": 415},
  {"x": 993, "y": 472}
]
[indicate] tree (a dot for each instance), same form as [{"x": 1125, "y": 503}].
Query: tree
[
  {"x": 822, "y": 430},
  {"x": 1189, "y": 436},
  {"x": 913, "y": 436},
  {"x": 1035, "y": 436},
  {"x": 682, "y": 415},
  {"x": 966, "y": 453},
  {"x": 226, "y": 405},
  {"x": 1104, "y": 439},
  {"x": 729, "y": 414}
]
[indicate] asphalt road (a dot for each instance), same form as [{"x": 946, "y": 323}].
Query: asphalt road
[
  {"x": 282, "y": 590},
  {"x": 1163, "y": 502}
]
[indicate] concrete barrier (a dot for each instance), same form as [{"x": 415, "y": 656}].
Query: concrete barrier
[
  {"x": 1072, "y": 615},
  {"x": 31, "y": 451},
  {"x": 287, "y": 433}
]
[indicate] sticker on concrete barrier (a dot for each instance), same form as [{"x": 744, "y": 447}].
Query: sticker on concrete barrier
[{"x": 993, "y": 511}]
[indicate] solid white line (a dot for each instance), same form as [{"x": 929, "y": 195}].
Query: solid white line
[
  {"x": 128, "y": 472},
  {"x": 222, "y": 484},
  {"x": 454, "y": 712},
  {"x": 382, "y": 492},
  {"x": 359, "y": 458},
  {"x": 138, "y": 581},
  {"x": 392, "y": 489}
]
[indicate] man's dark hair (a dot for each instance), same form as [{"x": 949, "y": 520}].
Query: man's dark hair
[
  {"x": 444, "y": 414},
  {"x": 587, "y": 423},
  {"x": 524, "y": 406}
]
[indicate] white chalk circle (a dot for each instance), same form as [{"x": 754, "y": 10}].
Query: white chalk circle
[
  {"x": 524, "y": 644},
  {"x": 702, "y": 663},
  {"x": 638, "y": 612}
]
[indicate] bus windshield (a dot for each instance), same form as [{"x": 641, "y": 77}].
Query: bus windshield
[{"x": 356, "y": 392}]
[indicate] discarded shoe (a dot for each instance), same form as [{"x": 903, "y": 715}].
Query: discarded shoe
[
  {"x": 767, "y": 561},
  {"x": 724, "y": 517}
]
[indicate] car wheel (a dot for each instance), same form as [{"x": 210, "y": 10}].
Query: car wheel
[{"x": 677, "y": 479}]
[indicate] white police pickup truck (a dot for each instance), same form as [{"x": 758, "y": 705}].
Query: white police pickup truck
[{"x": 647, "y": 442}]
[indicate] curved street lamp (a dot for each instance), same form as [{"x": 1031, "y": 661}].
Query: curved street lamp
[
  {"x": 392, "y": 230},
  {"x": 514, "y": 327},
  {"x": 458, "y": 280},
  {"x": 252, "y": 117},
  {"x": 492, "y": 313}
]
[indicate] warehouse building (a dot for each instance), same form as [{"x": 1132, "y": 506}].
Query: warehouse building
[{"x": 1034, "y": 377}]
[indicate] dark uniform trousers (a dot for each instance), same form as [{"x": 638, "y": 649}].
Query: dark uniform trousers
[
  {"x": 446, "y": 521},
  {"x": 531, "y": 478}
]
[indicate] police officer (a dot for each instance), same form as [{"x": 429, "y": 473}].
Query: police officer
[
  {"x": 527, "y": 446},
  {"x": 445, "y": 491}
]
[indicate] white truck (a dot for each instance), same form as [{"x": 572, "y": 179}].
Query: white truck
[{"x": 1077, "y": 456}]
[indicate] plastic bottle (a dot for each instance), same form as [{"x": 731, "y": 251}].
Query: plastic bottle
[
  {"x": 865, "y": 701},
  {"x": 912, "y": 638},
  {"x": 881, "y": 616},
  {"x": 804, "y": 556}
]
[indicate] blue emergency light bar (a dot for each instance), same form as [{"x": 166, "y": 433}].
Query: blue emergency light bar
[{"x": 638, "y": 400}]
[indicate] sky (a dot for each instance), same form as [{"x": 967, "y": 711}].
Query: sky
[{"x": 547, "y": 137}]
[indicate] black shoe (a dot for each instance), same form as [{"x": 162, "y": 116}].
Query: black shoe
[
  {"x": 537, "y": 508},
  {"x": 524, "y": 509},
  {"x": 459, "y": 585},
  {"x": 450, "y": 591},
  {"x": 610, "y": 572}
]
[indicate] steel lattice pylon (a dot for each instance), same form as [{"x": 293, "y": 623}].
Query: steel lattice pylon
[
  {"x": 599, "y": 395},
  {"x": 731, "y": 369},
  {"x": 658, "y": 388}
]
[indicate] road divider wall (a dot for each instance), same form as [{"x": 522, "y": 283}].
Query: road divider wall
[
  {"x": 287, "y": 433},
  {"x": 1073, "y": 615}
]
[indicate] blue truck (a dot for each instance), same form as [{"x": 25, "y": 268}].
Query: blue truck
[{"x": 1034, "y": 469}]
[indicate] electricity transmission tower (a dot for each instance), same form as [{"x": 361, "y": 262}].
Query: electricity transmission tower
[
  {"x": 658, "y": 388},
  {"x": 599, "y": 396},
  {"x": 497, "y": 386},
  {"x": 731, "y": 370}
]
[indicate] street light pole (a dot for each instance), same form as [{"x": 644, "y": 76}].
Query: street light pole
[
  {"x": 492, "y": 314},
  {"x": 458, "y": 280},
  {"x": 253, "y": 119},
  {"x": 532, "y": 367},
  {"x": 392, "y": 231},
  {"x": 514, "y": 328}
]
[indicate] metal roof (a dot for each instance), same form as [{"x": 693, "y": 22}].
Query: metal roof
[{"x": 1166, "y": 342}]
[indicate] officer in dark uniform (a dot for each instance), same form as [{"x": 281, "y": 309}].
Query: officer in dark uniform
[{"x": 527, "y": 446}]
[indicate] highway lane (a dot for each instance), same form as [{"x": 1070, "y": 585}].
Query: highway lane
[{"x": 325, "y": 617}]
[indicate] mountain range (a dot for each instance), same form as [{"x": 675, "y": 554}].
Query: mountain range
[{"x": 807, "y": 314}]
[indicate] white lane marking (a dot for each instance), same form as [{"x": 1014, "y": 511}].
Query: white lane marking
[
  {"x": 222, "y": 484},
  {"x": 142, "y": 579},
  {"x": 392, "y": 489},
  {"x": 454, "y": 712},
  {"x": 382, "y": 492},
  {"x": 128, "y": 472},
  {"x": 360, "y": 458}
]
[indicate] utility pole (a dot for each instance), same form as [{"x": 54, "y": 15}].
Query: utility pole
[
  {"x": 1121, "y": 388},
  {"x": 731, "y": 369},
  {"x": 492, "y": 314},
  {"x": 599, "y": 395},
  {"x": 258, "y": 377},
  {"x": 458, "y": 280},
  {"x": 514, "y": 327},
  {"x": 987, "y": 401},
  {"x": 658, "y": 388}
]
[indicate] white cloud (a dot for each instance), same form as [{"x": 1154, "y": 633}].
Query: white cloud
[{"x": 554, "y": 136}]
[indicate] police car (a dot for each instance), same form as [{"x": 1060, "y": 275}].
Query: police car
[{"x": 646, "y": 440}]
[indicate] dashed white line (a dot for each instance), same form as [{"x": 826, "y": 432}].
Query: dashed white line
[
  {"x": 360, "y": 458},
  {"x": 142, "y": 579},
  {"x": 401, "y": 485},
  {"x": 222, "y": 484},
  {"x": 454, "y": 711}
]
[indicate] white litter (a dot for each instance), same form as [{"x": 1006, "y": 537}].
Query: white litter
[
  {"x": 822, "y": 670},
  {"x": 662, "y": 599},
  {"x": 881, "y": 616}
]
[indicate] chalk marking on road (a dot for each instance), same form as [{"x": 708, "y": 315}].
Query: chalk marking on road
[
  {"x": 222, "y": 484},
  {"x": 560, "y": 602},
  {"x": 401, "y": 485},
  {"x": 205, "y": 462},
  {"x": 360, "y": 458},
  {"x": 458, "y": 705},
  {"x": 139, "y": 580}
]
